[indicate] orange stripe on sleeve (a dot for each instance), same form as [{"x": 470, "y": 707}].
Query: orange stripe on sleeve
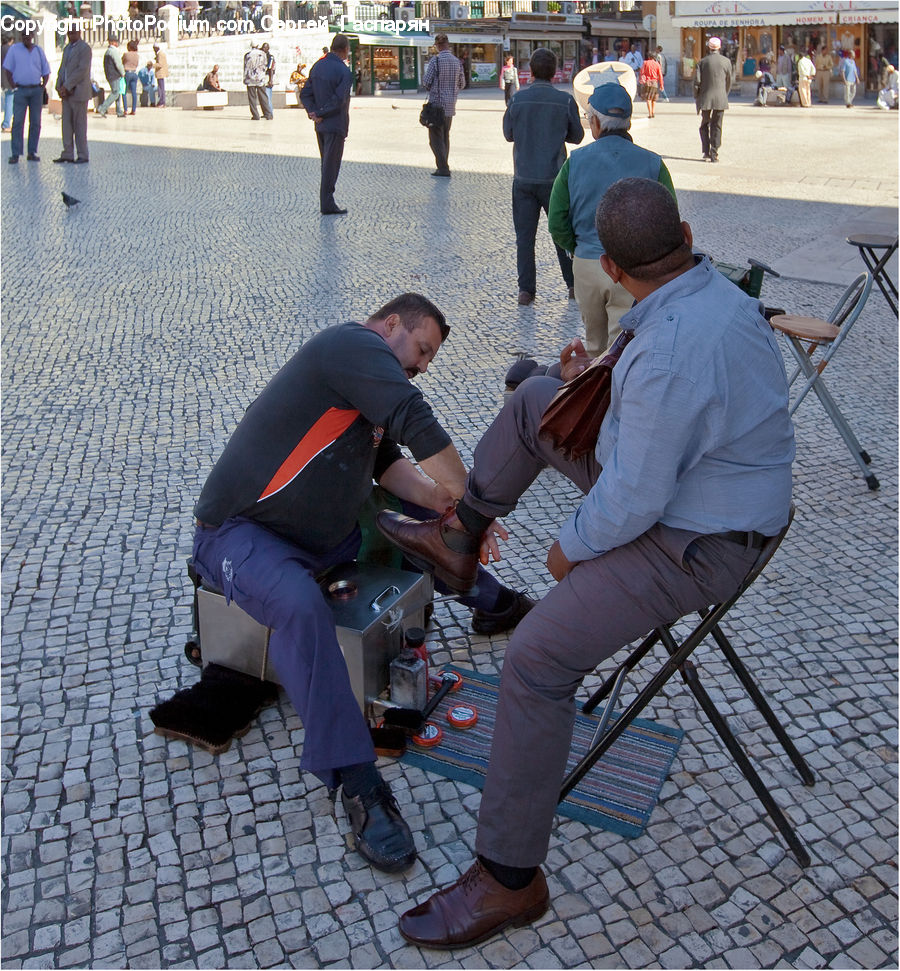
[{"x": 323, "y": 433}]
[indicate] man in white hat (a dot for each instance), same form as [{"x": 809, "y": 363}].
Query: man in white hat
[{"x": 711, "y": 87}]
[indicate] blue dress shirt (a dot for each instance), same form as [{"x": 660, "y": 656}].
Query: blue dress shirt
[
  {"x": 697, "y": 435},
  {"x": 26, "y": 66}
]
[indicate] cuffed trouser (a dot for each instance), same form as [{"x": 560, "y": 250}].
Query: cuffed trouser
[
  {"x": 602, "y": 605},
  {"x": 528, "y": 199},
  {"x": 331, "y": 150},
  {"x": 258, "y": 99},
  {"x": 74, "y": 129},
  {"x": 439, "y": 140},
  {"x": 273, "y": 581},
  {"x": 711, "y": 131},
  {"x": 602, "y": 304}
]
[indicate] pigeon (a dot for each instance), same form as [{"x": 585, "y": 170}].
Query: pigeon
[{"x": 69, "y": 200}]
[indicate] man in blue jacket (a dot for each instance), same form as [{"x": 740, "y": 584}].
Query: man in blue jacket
[
  {"x": 539, "y": 121},
  {"x": 581, "y": 184},
  {"x": 326, "y": 97}
]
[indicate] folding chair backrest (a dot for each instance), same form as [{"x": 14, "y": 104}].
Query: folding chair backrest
[{"x": 848, "y": 308}]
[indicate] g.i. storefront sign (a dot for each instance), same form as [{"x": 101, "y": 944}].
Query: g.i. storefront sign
[{"x": 733, "y": 13}]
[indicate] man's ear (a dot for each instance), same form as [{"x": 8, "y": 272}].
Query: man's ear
[
  {"x": 390, "y": 324},
  {"x": 610, "y": 268},
  {"x": 688, "y": 234}
]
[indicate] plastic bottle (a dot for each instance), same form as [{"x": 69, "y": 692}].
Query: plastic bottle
[{"x": 409, "y": 684}]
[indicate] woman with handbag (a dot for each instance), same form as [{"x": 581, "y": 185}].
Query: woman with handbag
[{"x": 650, "y": 83}]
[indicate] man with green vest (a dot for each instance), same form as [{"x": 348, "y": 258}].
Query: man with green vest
[{"x": 580, "y": 186}]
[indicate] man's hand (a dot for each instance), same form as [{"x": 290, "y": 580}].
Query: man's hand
[
  {"x": 557, "y": 563},
  {"x": 490, "y": 547},
  {"x": 573, "y": 359}
]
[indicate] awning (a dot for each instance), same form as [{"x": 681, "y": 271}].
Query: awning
[
  {"x": 394, "y": 40},
  {"x": 868, "y": 16},
  {"x": 758, "y": 18},
  {"x": 474, "y": 38}
]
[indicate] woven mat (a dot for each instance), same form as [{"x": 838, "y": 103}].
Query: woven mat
[{"x": 619, "y": 792}]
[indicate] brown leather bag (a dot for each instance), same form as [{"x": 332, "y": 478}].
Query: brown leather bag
[{"x": 572, "y": 419}]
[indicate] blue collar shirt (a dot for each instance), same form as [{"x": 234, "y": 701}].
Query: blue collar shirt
[
  {"x": 697, "y": 435},
  {"x": 26, "y": 66}
]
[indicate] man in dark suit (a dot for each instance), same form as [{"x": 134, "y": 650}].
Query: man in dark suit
[
  {"x": 326, "y": 97},
  {"x": 711, "y": 87},
  {"x": 73, "y": 83}
]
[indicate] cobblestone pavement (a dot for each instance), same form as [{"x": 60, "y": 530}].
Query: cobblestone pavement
[{"x": 137, "y": 328}]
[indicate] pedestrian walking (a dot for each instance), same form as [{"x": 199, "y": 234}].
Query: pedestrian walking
[
  {"x": 114, "y": 71},
  {"x": 27, "y": 71},
  {"x": 849, "y": 77},
  {"x": 664, "y": 68},
  {"x": 539, "y": 121},
  {"x": 326, "y": 98},
  {"x": 255, "y": 80},
  {"x": 131, "y": 61},
  {"x": 650, "y": 83},
  {"x": 509, "y": 79},
  {"x": 711, "y": 87},
  {"x": 161, "y": 70},
  {"x": 73, "y": 85},
  {"x": 444, "y": 79}
]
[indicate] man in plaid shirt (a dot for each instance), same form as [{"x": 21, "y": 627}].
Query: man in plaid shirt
[{"x": 444, "y": 79}]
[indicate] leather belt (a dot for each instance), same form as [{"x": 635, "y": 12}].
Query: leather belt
[{"x": 751, "y": 540}]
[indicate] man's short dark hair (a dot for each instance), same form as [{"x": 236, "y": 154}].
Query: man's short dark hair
[
  {"x": 543, "y": 64},
  {"x": 340, "y": 42},
  {"x": 441, "y": 40},
  {"x": 640, "y": 228},
  {"x": 412, "y": 309}
]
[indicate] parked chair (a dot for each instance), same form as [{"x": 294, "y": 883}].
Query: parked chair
[
  {"x": 608, "y": 730},
  {"x": 878, "y": 265},
  {"x": 809, "y": 335}
]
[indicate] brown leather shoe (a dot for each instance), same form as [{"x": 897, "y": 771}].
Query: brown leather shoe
[
  {"x": 525, "y": 298},
  {"x": 473, "y": 909},
  {"x": 441, "y": 546}
]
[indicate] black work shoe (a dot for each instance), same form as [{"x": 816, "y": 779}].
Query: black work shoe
[
  {"x": 495, "y": 622},
  {"x": 380, "y": 832}
]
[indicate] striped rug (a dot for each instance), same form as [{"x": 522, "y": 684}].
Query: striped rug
[{"x": 619, "y": 792}]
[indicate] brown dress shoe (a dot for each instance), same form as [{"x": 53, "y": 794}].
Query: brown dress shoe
[
  {"x": 440, "y": 546},
  {"x": 473, "y": 909},
  {"x": 525, "y": 298}
]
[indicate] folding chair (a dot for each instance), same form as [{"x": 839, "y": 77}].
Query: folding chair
[
  {"x": 827, "y": 335},
  {"x": 878, "y": 266},
  {"x": 679, "y": 654}
]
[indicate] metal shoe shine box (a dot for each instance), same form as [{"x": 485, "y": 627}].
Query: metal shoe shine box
[{"x": 372, "y": 606}]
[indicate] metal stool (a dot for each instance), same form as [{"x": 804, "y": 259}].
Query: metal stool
[
  {"x": 806, "y": 335},
  {"x": 608, "y": 730},
  {"x": 877, "y": 266}
]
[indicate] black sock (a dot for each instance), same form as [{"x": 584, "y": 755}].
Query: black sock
[
  {"x": 360, "y": 778},
  {"x": 511, "y": 877},
  {"x": 474, "y": 522}
]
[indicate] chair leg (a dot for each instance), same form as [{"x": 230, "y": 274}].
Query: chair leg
[
  {"x": 860, "y": 456},
  {"x": 627, "y": 665},
  {"x": 752, "y": 689},
  {"x": 689, "y": 673}
]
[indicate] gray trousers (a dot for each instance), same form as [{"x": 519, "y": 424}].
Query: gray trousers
[
  {"x": 256, "y": 96},
  {"x": 74, "y": 128},
  {"x": 602, "y": 605}
]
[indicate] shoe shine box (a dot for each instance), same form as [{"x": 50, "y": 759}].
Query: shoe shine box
[{"x": 372, "y": 606}]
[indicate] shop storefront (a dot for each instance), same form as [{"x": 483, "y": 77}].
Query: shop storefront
[
  {"x": 751, "y": 34},
  {"x": 387, "y": 62},
  {"x": 612, "y": 38},
  {"x": 561, "y": 33},
  {"x": 479, "y": 45}
]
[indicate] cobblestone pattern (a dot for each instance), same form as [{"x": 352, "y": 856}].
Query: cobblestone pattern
[{"x": 138, "y": 327}]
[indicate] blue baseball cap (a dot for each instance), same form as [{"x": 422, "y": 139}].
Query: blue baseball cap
[{"x": 611, "y": 99}]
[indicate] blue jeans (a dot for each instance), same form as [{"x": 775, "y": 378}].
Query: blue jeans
[
  {"x": 7, "y": 107},
  {"x": 26, "y": 98},
  {"x": 131, "y": 80},
  {"x": 528, "y": 199}
]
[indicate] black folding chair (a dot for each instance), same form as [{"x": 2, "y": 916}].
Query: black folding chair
[{"x": 608, "y": 730}]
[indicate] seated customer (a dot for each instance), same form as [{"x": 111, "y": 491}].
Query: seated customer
[
  {"x": 147, "y": 77},
  {"x": 692, "y": 470},
  {"x": 211, "y": 81}
]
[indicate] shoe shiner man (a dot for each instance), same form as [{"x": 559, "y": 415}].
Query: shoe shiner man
[
  {"x": 691, "y": 470},
  {"x": 281, "y": 505}
]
